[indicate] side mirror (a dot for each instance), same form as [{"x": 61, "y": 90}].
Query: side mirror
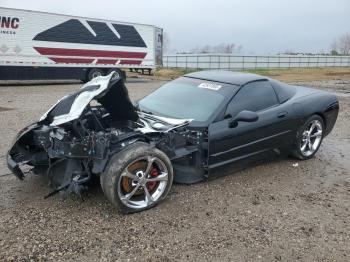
[{"x": 243, "y": 116}]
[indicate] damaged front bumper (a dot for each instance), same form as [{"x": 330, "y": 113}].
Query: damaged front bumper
[
  {"x": 14, "y": 167},
  {"x": 14, "y": 163}
]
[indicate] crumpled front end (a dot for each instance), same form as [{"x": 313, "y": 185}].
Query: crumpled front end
[
  {"x": 23, "y": 151},
  {"x": 74, "y": 140},
  {"x": 69, "y": 155}
]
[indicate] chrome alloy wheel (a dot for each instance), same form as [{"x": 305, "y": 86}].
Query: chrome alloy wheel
[
  {"x": 311, "y": 138},
  {"x": 143, "y": 182}
]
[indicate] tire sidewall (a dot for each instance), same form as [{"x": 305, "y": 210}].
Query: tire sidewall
[{"x": 117, "y": 164}]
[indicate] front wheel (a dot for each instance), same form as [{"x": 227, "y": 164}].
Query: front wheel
[
  {"x": 309, "y": 138},
  {"x": 137, "y": 178}
]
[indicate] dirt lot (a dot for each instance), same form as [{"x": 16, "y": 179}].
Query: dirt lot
[{"x": 274, "y": 211}]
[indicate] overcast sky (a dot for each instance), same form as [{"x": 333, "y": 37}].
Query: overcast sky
[{"x": 260, "y": 26}]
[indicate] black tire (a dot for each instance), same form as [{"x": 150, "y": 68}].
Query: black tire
[
  {"x": 118, "y": 73},
  {"x": 297, "y": 150},
  {"x": 112, "y": 180},
  {"x": 94, "y": 72}
]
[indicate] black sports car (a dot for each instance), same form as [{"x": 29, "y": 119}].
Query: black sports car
[{"x": 185, "y": 131}]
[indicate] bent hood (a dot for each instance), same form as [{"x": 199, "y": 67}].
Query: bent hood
[{"x": 109, "y": 92}]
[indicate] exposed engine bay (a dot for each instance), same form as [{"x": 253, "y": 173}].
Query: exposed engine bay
[{"x": 74, "y": 139}]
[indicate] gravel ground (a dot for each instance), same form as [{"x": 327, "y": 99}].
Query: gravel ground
[{"x": 271, "y": 212}]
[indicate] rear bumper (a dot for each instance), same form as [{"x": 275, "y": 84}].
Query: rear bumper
[{"x": 331, "y": 115}]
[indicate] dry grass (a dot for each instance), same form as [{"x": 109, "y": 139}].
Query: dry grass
[
  {"x": 305, "y": 74},
  {"x": 287, "y": 75},
  {"x": 170, "y": 73}
]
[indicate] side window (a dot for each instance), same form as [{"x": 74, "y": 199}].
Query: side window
[{"x": 254, "y": 97}]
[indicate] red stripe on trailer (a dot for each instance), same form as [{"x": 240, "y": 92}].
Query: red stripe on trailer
[
  {"x": 106, "y": 61},
  {"x": 72, "y": 60},
  {"x": 87, "y": 52},
  {"x": 130, "y": 62}
]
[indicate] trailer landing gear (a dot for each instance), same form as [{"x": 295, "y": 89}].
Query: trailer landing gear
[{"x": 143, "y": 70}]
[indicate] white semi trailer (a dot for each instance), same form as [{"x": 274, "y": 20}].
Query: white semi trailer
[{"x": 38, "y": 45}]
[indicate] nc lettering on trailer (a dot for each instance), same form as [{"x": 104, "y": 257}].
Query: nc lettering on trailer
[{"x": 9, "y": 22}]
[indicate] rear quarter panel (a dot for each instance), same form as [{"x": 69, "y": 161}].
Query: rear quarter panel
[{"x": 311, "y": 101}]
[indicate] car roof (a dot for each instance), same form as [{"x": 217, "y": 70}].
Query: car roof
[{"x": 228, "y": 77}]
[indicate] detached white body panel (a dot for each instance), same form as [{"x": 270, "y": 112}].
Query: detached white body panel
[
  {"x": 97, "y": 88},
  {"x": 81, "y": 101}
]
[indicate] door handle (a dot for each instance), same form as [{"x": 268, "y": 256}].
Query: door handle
[{"x": 282, "y": 114}]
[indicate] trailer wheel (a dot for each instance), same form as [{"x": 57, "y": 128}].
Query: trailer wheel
[
  {"x": 118, "y": 73},
  {"x": 94, "y": 72}
]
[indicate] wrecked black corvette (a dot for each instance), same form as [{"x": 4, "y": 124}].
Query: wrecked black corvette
[{"x": 185, "y": 131}]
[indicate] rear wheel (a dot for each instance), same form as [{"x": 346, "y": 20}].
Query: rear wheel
[
  {"x": 137, "y": 178},
  {"x": 309, "y": 138}
]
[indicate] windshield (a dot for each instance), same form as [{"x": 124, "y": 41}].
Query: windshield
[{"x": 185, "y": 98}]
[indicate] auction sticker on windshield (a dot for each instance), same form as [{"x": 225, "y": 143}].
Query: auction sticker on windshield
[{"x": 210, "y": 86}]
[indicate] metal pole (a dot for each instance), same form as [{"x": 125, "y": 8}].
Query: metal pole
[
  {"x": 288, "y": 61},
  {"x": 256, "y": 62},
  {"x": 279, "y": 62}
]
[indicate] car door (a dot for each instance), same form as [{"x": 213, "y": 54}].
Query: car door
[{"x": 249, "y": 141}]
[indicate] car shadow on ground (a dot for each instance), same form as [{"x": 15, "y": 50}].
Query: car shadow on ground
[{"x": 93, "y": 193}]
